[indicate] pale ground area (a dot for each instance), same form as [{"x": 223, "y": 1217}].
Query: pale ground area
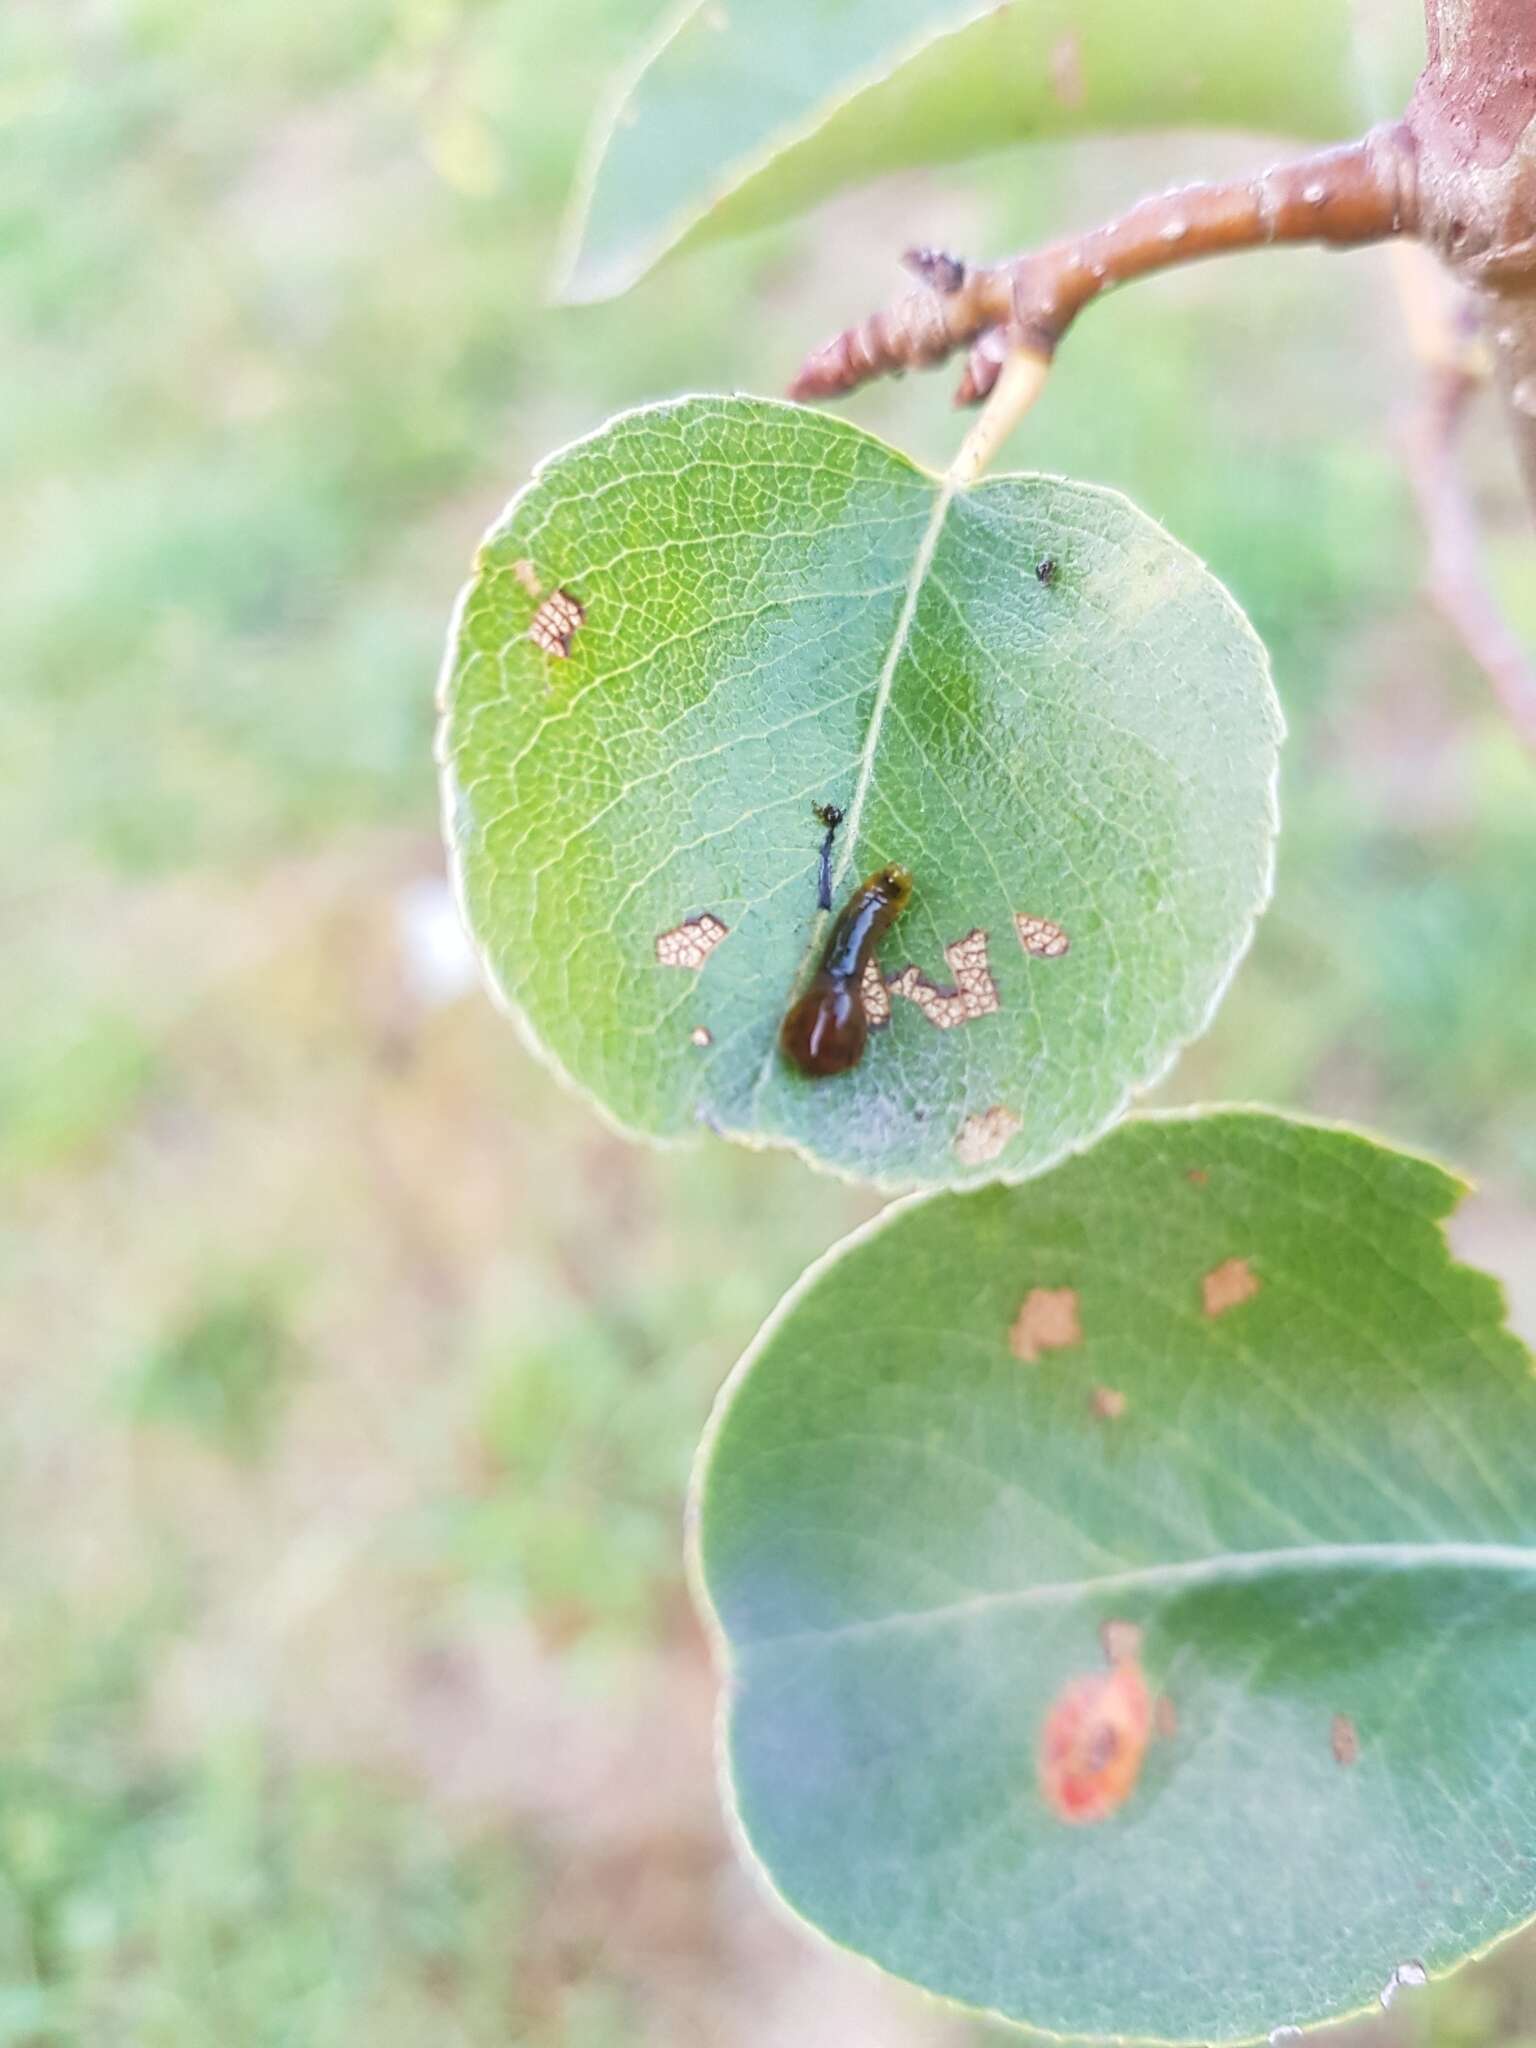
[
  {"x": 368, "y": 1101},
  {"x": 362, "y": 1101}
]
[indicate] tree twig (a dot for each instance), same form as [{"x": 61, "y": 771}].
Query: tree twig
[
  {"x": 1457, "y": 579},
  {"x": 1363, "y": 192},
  {"x": 1473, "y": 118}
]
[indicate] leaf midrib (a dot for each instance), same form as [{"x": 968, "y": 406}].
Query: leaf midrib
[
  {"x": 1227, "y": 1567},
  {"x": 922, "y": 561}
]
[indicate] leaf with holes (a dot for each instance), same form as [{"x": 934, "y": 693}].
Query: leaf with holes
[
  {"x": 741, "y": 112},
  {"x": 715, "y": 616},
  {"x": 1124, "y": 1587}
]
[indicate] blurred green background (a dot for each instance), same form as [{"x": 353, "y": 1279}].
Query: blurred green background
[{"x": 348, "y": 1687}]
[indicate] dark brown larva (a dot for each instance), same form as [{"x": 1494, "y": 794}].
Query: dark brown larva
[{"x": 825, "y": 1030}]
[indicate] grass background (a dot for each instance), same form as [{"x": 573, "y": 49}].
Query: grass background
[{"x": 348, "y": 1688}]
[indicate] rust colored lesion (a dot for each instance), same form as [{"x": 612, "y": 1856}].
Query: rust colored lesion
[
  {"x": 556, "y": 623},
  {"x": 974, "y": 993},
  {"x": 1107, "y": 1403},
  {"x": 1344, "y": 1740},
  {"x": 1228, "y": 1286},
  {"x": 1094, "y": 1736},
  {"x": 1047, "y": 1320},
  {"x": 1040, "y": 937},
  {"x": 689, "y": 944},
  {"x": 983, "y": 1136}
]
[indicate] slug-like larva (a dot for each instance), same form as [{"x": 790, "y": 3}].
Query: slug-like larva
[{"x": 825, "y": 1030}]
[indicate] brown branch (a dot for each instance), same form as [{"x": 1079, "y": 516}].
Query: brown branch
[
  {"x": 1473, "y": 102},
  {"x": 1473, "y": 117},
  {"x": 1361, "y": 193},
  {"x": 1457, "y": 581}
]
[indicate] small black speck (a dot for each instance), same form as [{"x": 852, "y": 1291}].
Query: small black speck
[{"x": 1045, "y": 569}]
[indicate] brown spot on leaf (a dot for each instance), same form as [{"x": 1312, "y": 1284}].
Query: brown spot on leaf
[
  {"x": 1092, "y": 1743},
  {"x": 690, "y": 943},
  {"x": 1227, "y": 1286},
  {"x": 1108, "y": 1403},
  {"x": 527, "y": 575},
  {"x": 973, "y": 995},
  {"x": 1120, "y": 1641},
  {"x": 877, "y": 997},
  {"x": 701, "y": 1035},
  {"x": 1066, "y": 66},
  {"x": 1344, "y": 1740},
  {"x": 1041, "y": 939},
  {"x": 1047, "y": 1321},
  {"x": 556, "y": 623},
  {"x": 983, "y": 1136},
  {"x": 1165, "y": 1718},
  {"x": 1197, "y": 1176}
]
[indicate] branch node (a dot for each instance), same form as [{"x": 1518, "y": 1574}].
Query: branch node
[
  {"x": 1362, "y": 192},
  {"x": 936, "y": 268}
]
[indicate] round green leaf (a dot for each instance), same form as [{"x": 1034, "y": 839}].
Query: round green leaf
[
  {"x": 742, "y": 112},
  {"x": 1218, "y": 1380},
  {"x": 769, "y": 609}
]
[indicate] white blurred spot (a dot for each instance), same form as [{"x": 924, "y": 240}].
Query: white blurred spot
[{"x": 437, "y": 962}]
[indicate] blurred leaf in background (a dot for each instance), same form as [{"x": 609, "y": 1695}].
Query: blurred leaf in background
[
  {"x": 735, "y": 116},
  {"x": 224, "y": 1370}
]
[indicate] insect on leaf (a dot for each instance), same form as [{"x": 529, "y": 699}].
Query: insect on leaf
[{"x": 783, "y": 618}]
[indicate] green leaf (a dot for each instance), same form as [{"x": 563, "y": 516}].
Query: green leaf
[
  {"x": 742, "y": 112},
  {"x": 781, "y": 610},
  {"x": 1311, "y": 1491}
]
